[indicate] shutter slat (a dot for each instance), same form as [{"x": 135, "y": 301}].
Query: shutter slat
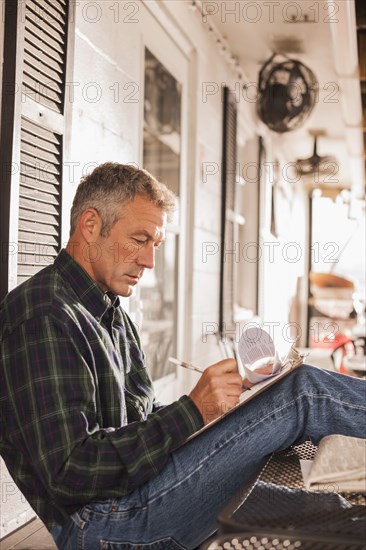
[
  {"x": 39, "y": 143},
  {"x": 41, "y": 175},
  {"x": 31, "y": 89},
  {"x": 39, "y": 68},
  {"x": 30, "y": 237},
  {"x": 34, "y": 143},
  {"x": 38, "y": 260},
  {"x": 28, "y": 153},
  {"x": 27, "y": 215},
  {"x": 39, "y": 167},
  {"x": 35, "y": 182},
  {"x": 41, "y": 257},
  {"x": 36, "y": 206},
  {"x": 44, "y": 29},
  {"x": 39, "y": 131},
  {"x": 51, "y": 47},
  {"x": 51, "y": 11},
  {"x": 44, "y": 59},
  {"x": 24, "y": 272},
  {"x": 34, "y": 44},
  {"x": 59, "y": 5},
  {"x": 50, "y": 84},
  {"x": 37, "y": 228},
  {"x": 22, "y": 278}
]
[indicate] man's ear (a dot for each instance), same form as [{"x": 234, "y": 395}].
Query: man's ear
[{"x": 90, "y": 224}]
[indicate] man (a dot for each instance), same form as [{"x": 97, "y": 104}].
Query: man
[{"x": 100, "y": 461}]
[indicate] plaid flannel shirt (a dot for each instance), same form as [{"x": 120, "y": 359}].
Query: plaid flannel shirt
[{"x": 78, "y": 419}]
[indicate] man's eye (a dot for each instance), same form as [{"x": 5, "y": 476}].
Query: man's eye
[{"x": 139, "y": 241}]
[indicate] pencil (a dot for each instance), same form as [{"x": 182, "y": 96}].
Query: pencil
[
  {"x": 185, "y": 364},
  {"x": 193, "y": 367}
]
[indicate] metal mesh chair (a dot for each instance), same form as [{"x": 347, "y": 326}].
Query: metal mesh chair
[
  {"x": 268, "y": 541},
  {"x": 275, "y": 506}
]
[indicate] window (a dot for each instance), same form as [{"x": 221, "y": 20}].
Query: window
[
  {"x": 337, "y": 267},
  {"x": 162, "y": 157},
  {"x": 251, "y": 156}
]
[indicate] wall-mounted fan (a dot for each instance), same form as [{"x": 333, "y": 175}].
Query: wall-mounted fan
[
  {"x": 321, "y": 166},
  {"x": 287, "y": 93}
]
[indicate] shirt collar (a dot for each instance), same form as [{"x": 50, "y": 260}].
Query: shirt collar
[{"x": 93, "y": 298}]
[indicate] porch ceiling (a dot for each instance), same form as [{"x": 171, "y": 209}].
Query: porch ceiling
[{"x": 322, "y": 35}]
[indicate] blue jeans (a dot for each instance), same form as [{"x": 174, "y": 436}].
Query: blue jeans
[{"x": 178, "y": 508}]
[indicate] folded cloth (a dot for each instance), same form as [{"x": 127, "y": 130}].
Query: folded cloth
[{"x": 339, "y": 465}]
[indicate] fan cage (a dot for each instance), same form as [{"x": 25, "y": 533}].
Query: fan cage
[{"x": 287, "y": 93}]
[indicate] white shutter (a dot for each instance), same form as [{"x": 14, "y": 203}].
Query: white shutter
[{"x": 32, "y": 135}]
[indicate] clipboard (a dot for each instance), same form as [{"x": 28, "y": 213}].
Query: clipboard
[{"x": 294, "y": 360}]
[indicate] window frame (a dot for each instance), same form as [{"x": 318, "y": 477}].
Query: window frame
[{"x": 173, "y": 52}]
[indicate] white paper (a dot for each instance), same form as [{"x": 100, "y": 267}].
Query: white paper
[
  {"x": 258, "y": 353},
  {"x": 258, "y": 387}
]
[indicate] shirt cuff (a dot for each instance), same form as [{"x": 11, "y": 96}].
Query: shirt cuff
[
  {"x": 182, "y": 419},
  {"x": 194, "y": 413}
]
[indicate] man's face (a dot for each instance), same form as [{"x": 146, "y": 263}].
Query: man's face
[{"x": 122, "y": 256}]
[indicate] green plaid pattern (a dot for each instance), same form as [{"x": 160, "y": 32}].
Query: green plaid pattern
[{"x": 78, "y": 418}]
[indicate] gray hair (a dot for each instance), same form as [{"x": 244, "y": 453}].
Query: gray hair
[{"x": 111, "y": 184}]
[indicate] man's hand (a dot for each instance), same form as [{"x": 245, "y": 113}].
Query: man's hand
[{"x": 217, "y": 390}]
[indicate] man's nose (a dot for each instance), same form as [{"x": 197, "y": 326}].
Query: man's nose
[{"x": 146, "y": 256}]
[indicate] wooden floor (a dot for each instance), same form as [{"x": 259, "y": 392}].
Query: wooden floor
[{"x": 33, "y": 536}]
